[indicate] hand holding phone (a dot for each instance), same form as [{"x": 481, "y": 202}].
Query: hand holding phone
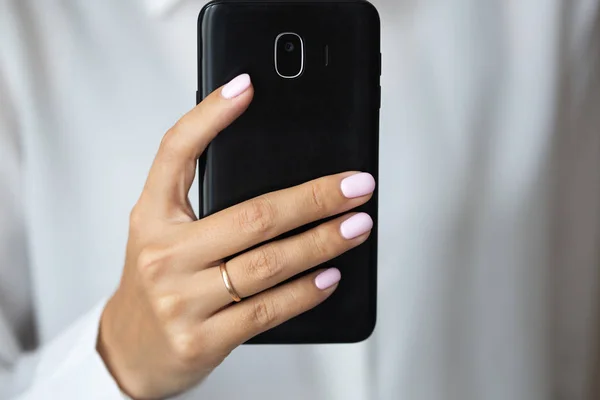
[{"x": 172, "y": 319}]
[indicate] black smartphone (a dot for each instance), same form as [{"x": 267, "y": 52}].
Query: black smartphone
[{"x": 315, "y": 66}]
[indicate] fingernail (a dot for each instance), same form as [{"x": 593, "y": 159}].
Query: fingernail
[
  {"x": 358, "y": 185},
  {"x": 328, "y": 278},
  {"x": 356, "y": 225},
  {"x": 236, "y": 86}
]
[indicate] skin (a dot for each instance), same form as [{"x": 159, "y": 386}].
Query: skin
[{"x": 171, "y": 321}]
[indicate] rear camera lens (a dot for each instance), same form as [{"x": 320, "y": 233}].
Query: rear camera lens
[{"x": 289, "y": 55}]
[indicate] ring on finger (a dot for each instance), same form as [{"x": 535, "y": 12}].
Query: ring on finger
[{"x": 232, "y": 292}]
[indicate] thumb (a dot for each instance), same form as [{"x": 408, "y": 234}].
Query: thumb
[{"x": 174, "y": 166}]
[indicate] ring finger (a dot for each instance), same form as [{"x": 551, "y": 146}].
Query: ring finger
[{"x": 266, "y": 266}]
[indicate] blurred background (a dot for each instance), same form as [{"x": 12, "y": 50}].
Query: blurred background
[{"x": 489, "y": 191}]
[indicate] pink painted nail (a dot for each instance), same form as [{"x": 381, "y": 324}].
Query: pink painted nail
[
  {"x": 236, "y": 86},
  {"x": 328, "y": 278},
  {"x": 356, "y": 225},
  {"x": 358, "y": 185}
]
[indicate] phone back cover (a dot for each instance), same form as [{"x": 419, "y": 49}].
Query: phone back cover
[{"x": 326, "y": 121}]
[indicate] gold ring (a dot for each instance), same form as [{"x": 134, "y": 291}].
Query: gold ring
[{"x": 227, "y": 282}]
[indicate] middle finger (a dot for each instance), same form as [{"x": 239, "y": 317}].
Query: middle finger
[{"x": 244, "y": 225}]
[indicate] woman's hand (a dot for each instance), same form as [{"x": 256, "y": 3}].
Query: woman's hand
[{"x": 172, "y": 320}]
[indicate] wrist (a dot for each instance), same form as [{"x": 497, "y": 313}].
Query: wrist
[{"x": 112, "y": 335}]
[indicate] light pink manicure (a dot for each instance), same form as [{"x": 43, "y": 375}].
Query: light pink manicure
[
  {"x": 358, "y": 185},
  {"x": 328, "y": 278},
  {"x": 236, "y": 86},
  {"x": 356, "y": 225}
]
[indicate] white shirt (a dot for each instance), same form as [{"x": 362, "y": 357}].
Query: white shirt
[{"x": 489, "y": 199}]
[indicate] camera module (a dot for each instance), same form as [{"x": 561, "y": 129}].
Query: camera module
[{"x": 289, "y": 55}]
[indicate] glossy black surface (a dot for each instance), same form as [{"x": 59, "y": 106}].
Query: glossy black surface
[{"x": 325, "y": 121}]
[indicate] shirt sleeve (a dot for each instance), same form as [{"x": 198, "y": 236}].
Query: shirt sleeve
[{"x": 69, "y": 367}]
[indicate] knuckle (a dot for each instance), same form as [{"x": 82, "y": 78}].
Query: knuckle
[
  {"x": 320, "y": 243},
  {"x": 136, "y": 217},
  {"x": 152, "y": 262},
  {"x": 168, "y": 140},
  {"x": 263, "y": 315},
  {"x": 264, "y": 264},
  {"x": 317, "y": 197},
  {"x": 170, "y": 143},
  {"x": 186, "y": 348},
  {"x": 169, "y": 307},
  {"x": 257, "y": 216}
]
